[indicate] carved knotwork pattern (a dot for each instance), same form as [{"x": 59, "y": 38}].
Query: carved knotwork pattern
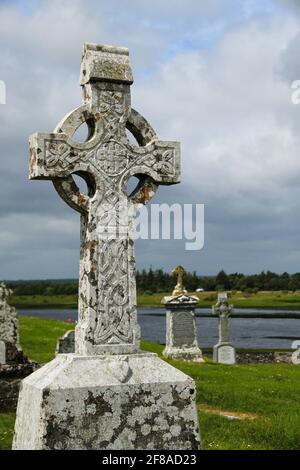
[
  {"x": 110, "y": 157},
  {"x": 164, "y": 163},
  {"x": 115, "y": 313},
  {"x": 59, "y": 154},
  {"x": 113, "y": 158},
  {"x": 114, "y": 112}
]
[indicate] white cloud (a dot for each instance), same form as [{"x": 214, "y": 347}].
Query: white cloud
[{"x": 231, "y": 110}]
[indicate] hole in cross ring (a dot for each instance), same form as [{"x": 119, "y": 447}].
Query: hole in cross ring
[
  {"x": 85, "y": 183},
  {"x": 84, "y": 132}
]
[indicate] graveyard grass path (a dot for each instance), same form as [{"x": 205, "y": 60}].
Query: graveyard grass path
[{"x": 270, "y": 392}]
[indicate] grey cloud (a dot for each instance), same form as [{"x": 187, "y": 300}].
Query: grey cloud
[
  {"x": 294, "y": 4},
  {"x": 229, "y": 104}
]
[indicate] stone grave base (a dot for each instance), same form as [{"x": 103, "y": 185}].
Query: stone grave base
[
  {"x": 224, "y": 353},
  {"x": 182, "y": 354},
  {"x": 11, "y": 376},
  {"x": 128, "y": 402}
]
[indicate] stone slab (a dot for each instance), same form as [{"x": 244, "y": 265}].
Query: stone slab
[
  {"x": 183, "y": 329},
  {"x": 107, "y": 402},
  {"x": 224, "y": 354},
  {"x": 184, "y": 354},
  {"x": 181, "y": 338}
]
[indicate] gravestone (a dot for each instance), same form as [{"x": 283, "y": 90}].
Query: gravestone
[
  {"x": 9, "y": 329},
  {"x": 66, "y": 344},
  {"x": 223, "y": 352},
  {"x": 9, "y": 326},
  {"x": 108, "y": 394},
  {"x": 181, "y": 331},
  {"x": 14, "y": 365},
  {"x": 296, "y": 356}
]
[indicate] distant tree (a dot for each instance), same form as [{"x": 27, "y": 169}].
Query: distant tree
[{"x": 223, "y": 280}]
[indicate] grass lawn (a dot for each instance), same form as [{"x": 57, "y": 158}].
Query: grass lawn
[
  {"x": 265, "y": 396},
  {"x": 264, "y": 299},
  {"x": 38, "y": 337},
  {"x": 44, "y": 301}
]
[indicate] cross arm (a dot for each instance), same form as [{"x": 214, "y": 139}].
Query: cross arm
[
  {"x": 51, "y": 156},
  {"x": 166, "y": 162},
  {"x": 159, "y": 160}
]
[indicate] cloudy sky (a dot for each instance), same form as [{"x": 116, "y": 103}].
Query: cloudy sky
[{"x": 214, "y": 74}]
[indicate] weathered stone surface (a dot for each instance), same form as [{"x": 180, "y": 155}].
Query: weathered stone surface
[
  {"x": 181, "y": 337},
  {"x": 179, "y": 272},
  {"x": 9, "y": 330},
  {"x": 108, "y": 395},
  {"x": 66, "y": 344},
  {"x": 105, "y": 63},
  {"x": 2, "y": 353},
  {"x": 107, "y": 402},
  {"x": 223, "y": 352},
  {"x": 283, "y": 357},
  {"x": 9, "y": 325}
]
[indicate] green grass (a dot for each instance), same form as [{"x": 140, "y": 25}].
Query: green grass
[
  {"x": 44, "y": 301},
  {"x": 38, "y": 337},
  {"x": 264, "y": 299},
  {"x": 7, "y": 421},
  {"x": 271, "y": 392}
]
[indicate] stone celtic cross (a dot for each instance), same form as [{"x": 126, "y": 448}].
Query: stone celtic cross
[
  {"x": 179, "y": 272},
  {"x": 224, "y": 310},
  {"x": 223, "y": 351},
  {"x": 107, "y": 322}
]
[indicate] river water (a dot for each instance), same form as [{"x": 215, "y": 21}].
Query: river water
[{"x": 253, "y": 332}]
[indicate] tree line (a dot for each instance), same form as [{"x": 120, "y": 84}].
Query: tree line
[
  {"x": 159, "y": 281},
  {"x": 152, "y": 281}
]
